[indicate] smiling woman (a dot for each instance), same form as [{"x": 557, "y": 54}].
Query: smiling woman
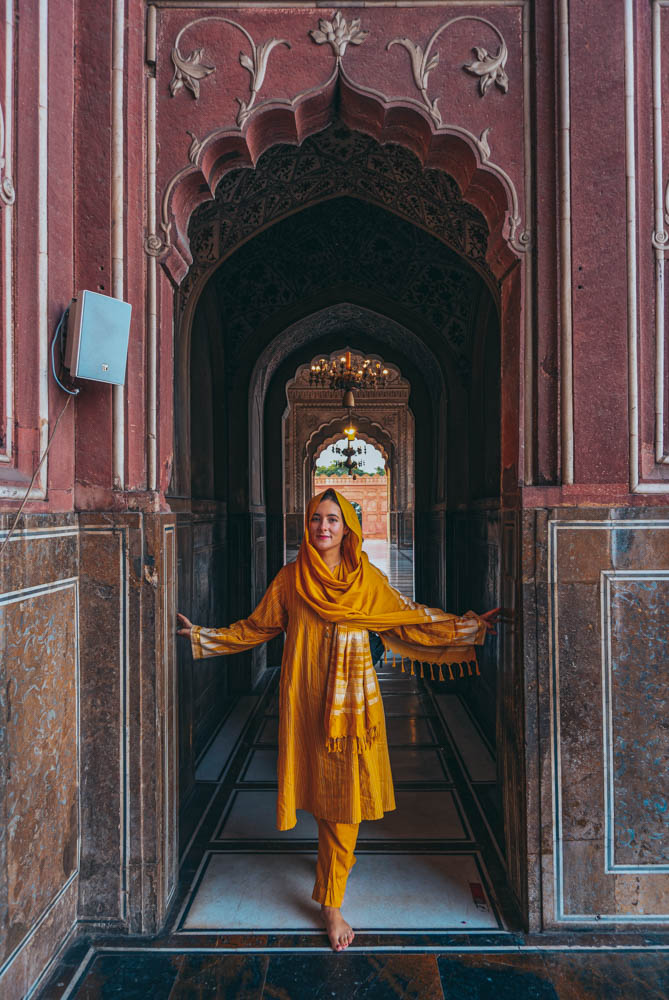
[
  {"x": 333, "y": 751},
  {"x": 327, "y": 529}
]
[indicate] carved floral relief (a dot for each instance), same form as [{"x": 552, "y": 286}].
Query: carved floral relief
[
  {"x": 490, "y": 69},
  {"x": 188, "y": 71},
  {"x": 192, "y": 70},
  {"x": 338, "y": 33},
  {"x": 7, "y": 192}
]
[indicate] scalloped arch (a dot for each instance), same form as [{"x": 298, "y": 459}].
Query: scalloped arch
[
  {"x": 367, "y": 431},
  {"x": 453, "y": 150},
  {"x": 370, "y": 431}
]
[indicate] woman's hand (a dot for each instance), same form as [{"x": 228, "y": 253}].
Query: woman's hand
[
  {"x": 185, "y": 626},
  {"x": 491, "y": 618}
]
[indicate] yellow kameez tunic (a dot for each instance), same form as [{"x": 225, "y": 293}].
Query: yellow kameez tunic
[{"x": 340, "y": 787}]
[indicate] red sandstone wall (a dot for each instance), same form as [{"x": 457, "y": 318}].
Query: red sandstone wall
[
  {"x": 372, "y": 495},
  {"x": 604, "y": 314}
]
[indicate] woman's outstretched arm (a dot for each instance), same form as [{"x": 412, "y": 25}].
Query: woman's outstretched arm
[{"x": 268, "y": 620}]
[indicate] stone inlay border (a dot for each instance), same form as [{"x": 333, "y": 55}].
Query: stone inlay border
[
  {"x": 555, "y": 739},
  {"x": 608, "y": 580}
]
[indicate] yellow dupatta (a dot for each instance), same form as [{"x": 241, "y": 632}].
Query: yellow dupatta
[{"x": 357, "y": 599}]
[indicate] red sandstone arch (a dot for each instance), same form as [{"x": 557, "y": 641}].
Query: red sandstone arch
[
  {"x": 455, "y": 151},
  {"x": 479, "y": 184}
]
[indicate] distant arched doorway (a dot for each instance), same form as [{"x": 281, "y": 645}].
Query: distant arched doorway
[{"x": 366, "y": 484}]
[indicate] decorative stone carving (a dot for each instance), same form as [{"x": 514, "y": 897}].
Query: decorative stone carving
[
  {"x": 153, "y": 245},
  {"x": 338, "y": 34},
  {"x": 7, "y": 192},
  {"x": 256, "y": 64},
  {"x": 660, "y": 237},
  {"x": 336, "y": 161},
  {"x": 348, "y": 243},
  {"x": 489, "y": 68},
  {"x": 194, "y": 148},
  {"x": 421, "y": 67},
  {"x": 188, "y": 71}
]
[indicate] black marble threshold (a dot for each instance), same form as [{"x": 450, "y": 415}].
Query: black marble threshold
[{"x": 492, "y": 966}]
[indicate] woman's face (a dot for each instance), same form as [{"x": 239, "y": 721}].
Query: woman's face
[{"x": 327, "y": 528}]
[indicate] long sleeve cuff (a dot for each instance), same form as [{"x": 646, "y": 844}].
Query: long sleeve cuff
[{"x": 195, "y": 643}]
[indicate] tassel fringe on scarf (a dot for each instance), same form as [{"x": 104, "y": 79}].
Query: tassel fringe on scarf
[{"x": 433, "y": 671}]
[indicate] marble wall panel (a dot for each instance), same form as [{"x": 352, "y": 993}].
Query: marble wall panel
[
  {"x": 128, "y": 730},
  {"x": 42, "y": 734},
  {"x": 104, "y": 584},
  {"x": 579, "y": 683},
  {"x": 169, "y": 728},
  {"x": 604, "y": 737},
  {"x": 511, "y": 712},
  {"x": 636, "y": 694},
  {"x": 533, "y": 609},
  {"x": 185, "y": 663},
  {"x": 39, "y": 780},
  {"x": 474, "y": 551}
]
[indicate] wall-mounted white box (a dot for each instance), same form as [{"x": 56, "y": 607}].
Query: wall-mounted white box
[{"x": 98, "y": 329}]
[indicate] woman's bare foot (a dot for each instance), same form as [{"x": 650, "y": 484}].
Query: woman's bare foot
[{"x": 340, "y": 933}]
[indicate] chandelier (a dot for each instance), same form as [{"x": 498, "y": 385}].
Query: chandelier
[
  {"x": 349, "y": 464},
  {"x": 348, "y": 373}
]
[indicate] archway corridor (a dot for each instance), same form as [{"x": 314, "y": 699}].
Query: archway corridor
[{"x": 372, "y": 252}]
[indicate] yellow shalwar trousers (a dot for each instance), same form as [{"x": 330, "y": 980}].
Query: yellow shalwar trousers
[{"x": 336, "y": 843}]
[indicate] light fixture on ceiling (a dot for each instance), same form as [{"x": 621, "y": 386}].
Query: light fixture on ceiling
[
  {"x": 348, "y": 463},
  {"x": 347, "y": 373}
]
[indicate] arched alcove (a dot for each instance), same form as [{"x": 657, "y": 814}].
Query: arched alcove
[{"x": 336, "y": 271}]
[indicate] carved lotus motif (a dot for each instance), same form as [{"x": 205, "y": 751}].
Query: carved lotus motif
[
  {"x": 338, "y": 33},
  {"x": 188, "y": 71},
  {"x": 489, "y": 68}
]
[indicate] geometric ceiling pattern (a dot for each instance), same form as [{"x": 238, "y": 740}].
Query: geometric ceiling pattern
[
  {"x": 367, "y": 251},
  {"x": 336, "y": 161}
]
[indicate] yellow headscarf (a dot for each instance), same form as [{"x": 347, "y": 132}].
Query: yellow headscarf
[{"x": 362, "y": 600}]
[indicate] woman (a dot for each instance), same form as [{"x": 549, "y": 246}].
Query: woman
[{"x": 333, "y": 753}]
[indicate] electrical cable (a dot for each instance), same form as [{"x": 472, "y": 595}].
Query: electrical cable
[{"x": 71, "y": 393}]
